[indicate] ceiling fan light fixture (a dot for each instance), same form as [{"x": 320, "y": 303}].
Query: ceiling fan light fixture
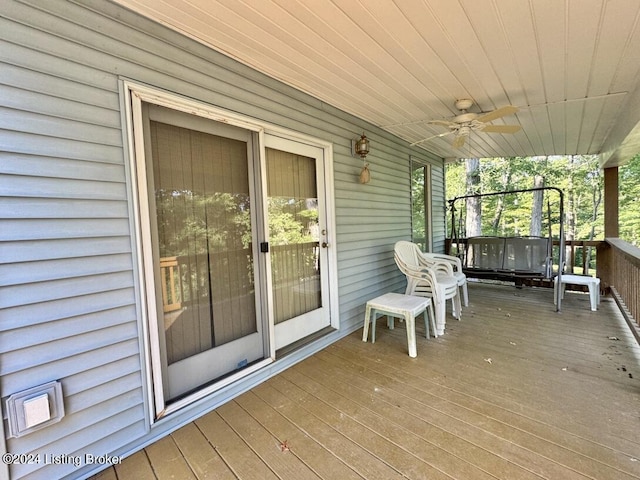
[{"x": 463, "y": 131}]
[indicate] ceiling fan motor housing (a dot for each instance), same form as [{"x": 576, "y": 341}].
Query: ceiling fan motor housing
[
  {"x": 463, "y": 103},
  {"x": 465, "y": 117}
]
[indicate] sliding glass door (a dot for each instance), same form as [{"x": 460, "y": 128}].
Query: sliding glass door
[
  {"x": 233, "y": 245},
  {"x": 201, "y": 193}
]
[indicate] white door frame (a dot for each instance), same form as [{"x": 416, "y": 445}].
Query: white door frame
[
  {"x": 332, "y": 259},
  {"x": 294, "y": 329},
  {"x": 134, "y": 94}
]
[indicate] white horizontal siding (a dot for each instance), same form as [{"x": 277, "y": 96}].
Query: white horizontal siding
[
  {"x": 21, "y": 338},
  {"x": 52, "y": 167},
  {"x": 81, "y": 267},
  {"x": 123, "y": 413},
  {"x": 19, "y": 185},
  {"x": 36, "y": 70},
  {"x": 36, "y": 229},
  {"x": 68, "y": 309},
  {"x": 64, "y": 288},
  {"x": 68, "y": 306},
  {"x": 33, "y": 250},
  {"x": 59, "y": 127},
  {"x": 59, "y": 147},
  {"x": 21, "y": 99},
  {"x": 44, "y": 312},
  {"x": 24, "y": 357},
  {"x": 78, "y": 208}
]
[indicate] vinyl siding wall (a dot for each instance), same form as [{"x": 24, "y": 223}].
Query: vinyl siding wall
[{"x": 69, "y": 301}]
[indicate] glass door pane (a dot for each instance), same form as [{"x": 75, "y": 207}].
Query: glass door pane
[
  {"x": 201, "y": 197},
  {"x": 204, "y": 234},
  {"x": 293, "y": 234},
  {"x": 298, "y": 250},
  {"x": 420, "y": 206}
]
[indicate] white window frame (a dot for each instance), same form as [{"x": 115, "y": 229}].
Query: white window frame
[{"x": 428, "y": 199}]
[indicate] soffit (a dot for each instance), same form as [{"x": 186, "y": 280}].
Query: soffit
[{"x": 569, "y": 66}]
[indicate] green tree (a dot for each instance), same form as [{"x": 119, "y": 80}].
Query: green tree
[
  {"x": 629, "y": 198},
  {"x": 418, "y": 205},
  {"x": 578, "y": 177}
]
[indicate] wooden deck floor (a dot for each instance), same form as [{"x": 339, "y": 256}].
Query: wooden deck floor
[{"x": 513, "y": 391}]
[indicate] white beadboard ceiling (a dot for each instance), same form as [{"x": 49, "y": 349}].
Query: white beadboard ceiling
[{"x": 570, "y": 66}]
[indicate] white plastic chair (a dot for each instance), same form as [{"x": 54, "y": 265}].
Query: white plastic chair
[
  {"x": 456, "y": 264},
  {"x": 436, "y": 282}
]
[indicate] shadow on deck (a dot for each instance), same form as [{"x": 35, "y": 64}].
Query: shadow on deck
[{"x": 513, "y": 391}]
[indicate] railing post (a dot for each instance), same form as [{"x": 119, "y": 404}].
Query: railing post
[{"x": 604, "y": 266}]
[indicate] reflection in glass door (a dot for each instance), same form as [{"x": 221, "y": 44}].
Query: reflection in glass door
[
  {"x": 233, "y": 243},
  {"x": 297, "y": 238},
  {"x": 200, "y": 198}
]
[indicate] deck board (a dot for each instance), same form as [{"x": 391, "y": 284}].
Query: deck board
[
  {"x": 385, "y": 419},
  {"x": 200, "y": 455},
  {"x": 558, "y": 400},
  {"x": 351, "y": 453},
  {"x": 167, "y": 460},
  {"x": 321, "y": 460},
  {"x": 237, "y": 455},
  {"x": 135, "y": 466},
  {"x": 277, "y": 454},
  {"x": 441, "y": 408}
]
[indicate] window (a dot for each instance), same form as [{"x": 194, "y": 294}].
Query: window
[{"x": 421, "y": 205}]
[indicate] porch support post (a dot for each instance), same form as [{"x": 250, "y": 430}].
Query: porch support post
[
  {"x": 611, "y": 202},
  {"x": 611, "y": 229}
]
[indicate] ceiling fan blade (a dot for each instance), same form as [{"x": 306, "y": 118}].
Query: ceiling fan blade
[
  {"x": 443, "y": 123},
  {"x": 459, "y": 141},
  {"x": 430, "y": 138},
  {"x": 500, "y": 112},
  {"x": 501, "y": 128}
]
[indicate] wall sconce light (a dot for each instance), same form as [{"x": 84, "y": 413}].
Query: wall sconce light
[{"x": 360, "y": 147}]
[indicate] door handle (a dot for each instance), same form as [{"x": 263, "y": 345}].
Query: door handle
[{"x": 325, "y": 244}]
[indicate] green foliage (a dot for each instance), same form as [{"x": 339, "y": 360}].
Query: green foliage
[
  {"x": 191, "y": 223},
  {"x": 289, "y": 221},
  {"x": 629, "y": 201},
  {"x": 579, "y": 177},
  {"x": 418, "y": 205}
]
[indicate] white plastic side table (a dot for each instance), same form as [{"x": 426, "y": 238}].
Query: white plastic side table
[
  {"x": 592, "y": 282},
  {"x": 404, "y": 306}
]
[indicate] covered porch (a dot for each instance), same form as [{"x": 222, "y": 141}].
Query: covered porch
[{"x": 513, "y": 391}]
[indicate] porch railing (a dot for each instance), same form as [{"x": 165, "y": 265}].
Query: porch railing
[
  {"x": 171, "y": 284},
  {"x": 291, "y": 265},
  {"x": 580, "y": 255},
  {"x": 614, "y": 261},
  {"x": 619, "y": 270}
]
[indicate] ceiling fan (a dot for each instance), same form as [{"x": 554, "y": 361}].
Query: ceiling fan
[{"x": 466, "y": 122}]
